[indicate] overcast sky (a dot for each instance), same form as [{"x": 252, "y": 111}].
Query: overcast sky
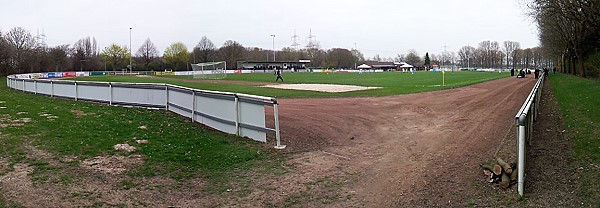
[{"x": 379, "y": 27}]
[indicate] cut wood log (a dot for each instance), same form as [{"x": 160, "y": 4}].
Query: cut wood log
[
  {"x": 514, "y": 175},
  {"x": 488, "y": 166},
  {"x": 487, "y": 172},
  {"x": 505, "y": 182},
  {"x": 497, "y": 169},
  {"x": 504, "y": 165}
]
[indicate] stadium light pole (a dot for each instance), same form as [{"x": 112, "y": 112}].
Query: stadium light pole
[
  {"x": 130, "y": 66},
  {"x": 273, "y": 47}
]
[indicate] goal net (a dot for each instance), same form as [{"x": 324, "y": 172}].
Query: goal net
[{"x": 210, "y": 70}]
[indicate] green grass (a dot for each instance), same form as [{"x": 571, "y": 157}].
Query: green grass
[
  {"x": 177, "y": 148},
  {"x": 391, "y": 83},
  {"x": 579, "y": 100}
]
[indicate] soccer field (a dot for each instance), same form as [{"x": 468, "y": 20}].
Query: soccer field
[{"x": 390, "y": 83}]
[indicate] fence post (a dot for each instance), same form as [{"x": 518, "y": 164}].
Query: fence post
[
  {"x": 51, "y": 88},
  {"x": 237, "y": 115},
  {"x": 23, "y": 85},
  {"x": 193, "y": 105},
  {"x": 167, "y": 97},
  {"x": 75, "y": 91},
  {"x": 110, "y": 92},
  {"x": 521, "y": 159},
  {"x": 277, "y": 136},
  {"x": 35, "y": 84}
]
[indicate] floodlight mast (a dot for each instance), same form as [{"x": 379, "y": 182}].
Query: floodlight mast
[
  {"x": 273, "y": 47},
  {"x": 130, "y": 66}
]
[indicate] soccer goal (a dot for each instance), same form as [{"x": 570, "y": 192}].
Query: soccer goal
[{"x": 210, "y": 70}]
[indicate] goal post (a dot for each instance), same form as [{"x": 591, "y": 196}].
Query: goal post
[{"x": 210, "y": 70}]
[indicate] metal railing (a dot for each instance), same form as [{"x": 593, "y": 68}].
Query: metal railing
[
  {"x": 524, "y": 123},
  {"x": 234, "y": 113}
]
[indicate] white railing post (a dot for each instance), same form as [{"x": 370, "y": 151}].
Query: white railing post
[
  {"x": 167, "y": 97},
  {"x": 75, "y": 91},
  {"x": 237, "y": 115},
  {"x": 110, "y": 92},
  {"x": 51, "y": 88},
  {"x": 521, "y": 160},
  {"x": 193, "y": 105},
  {"x": 277, "y": 136},
  {"x": 35, "y": 84},
  {"x": 23, "y": 85}
]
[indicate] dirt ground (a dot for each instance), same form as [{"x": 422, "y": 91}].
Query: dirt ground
[
  {"x": 411, "y": 150},
  {"x": 406, "y": 150}
]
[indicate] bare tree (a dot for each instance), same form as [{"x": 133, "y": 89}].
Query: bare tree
[
  {"x": 147, "y": 52},
  {"x": 339, "y": 58},
  {"x": 569, "y": 27},
  {"x": 85, "y": 54},
  {"x": 315, "y": 54},
  {"x": 22, "y": 43},
  {"x": 5, "y": 54},
  {"x": 466, "y": 54},
  {"x": 413, "y": 58},
  {"x": 205, "y": 51},
  {"x": 232, "y": 52},
  {"x": 510, "y": 48},
  {"x": 59, "y": 56}
]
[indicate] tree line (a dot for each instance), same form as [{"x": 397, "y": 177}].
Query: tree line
[
  {"x": 21, "y": 52},
  {"x": 569, "y": 32}
]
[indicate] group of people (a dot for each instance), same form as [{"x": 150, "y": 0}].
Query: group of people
[{"x": 536, "y": 73}]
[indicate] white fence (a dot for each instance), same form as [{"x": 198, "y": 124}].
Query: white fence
[
  {"x": 524, "y": 122},
  {"x": 234, "y": 113}
]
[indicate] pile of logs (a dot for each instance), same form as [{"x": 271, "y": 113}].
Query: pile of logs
[{"x": 499, "y": 172}]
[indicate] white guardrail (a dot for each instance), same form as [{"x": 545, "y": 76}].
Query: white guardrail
[
  {"x": 234, "y": 113},
  {"x": 524, "y": 122}
]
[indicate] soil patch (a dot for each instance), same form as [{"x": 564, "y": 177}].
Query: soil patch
[
  {"x": 80, "y": 113},
  {"x": 113, "y": 164}
]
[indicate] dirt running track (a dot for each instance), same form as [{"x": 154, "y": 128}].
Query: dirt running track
[{"x": 406, "y": 150}]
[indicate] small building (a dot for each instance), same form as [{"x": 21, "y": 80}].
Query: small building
[{"x": 378, "y": 65}]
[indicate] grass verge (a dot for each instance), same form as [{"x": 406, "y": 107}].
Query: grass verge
[
  {"x": 579, "y": 101},
  {"x": 176, "y": 147},
  {"x": 391, "y": 83}
]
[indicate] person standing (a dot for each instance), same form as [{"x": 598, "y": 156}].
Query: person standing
[{"x": 278, "y": 73}]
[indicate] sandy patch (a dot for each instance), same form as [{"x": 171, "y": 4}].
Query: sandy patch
[
  {"x": 79, "y": 113},
  {"x": 112, "y": 164},
  {"x": 42, "y": 114},
  {"x": 321, "y": 87},
  {"x": 142, "y": 141},
  {"x": 124, "y": 147},
  {"x": 6, "y": 121}
]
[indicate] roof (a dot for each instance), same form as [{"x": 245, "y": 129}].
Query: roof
[{"x": 364, "y": 66}]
